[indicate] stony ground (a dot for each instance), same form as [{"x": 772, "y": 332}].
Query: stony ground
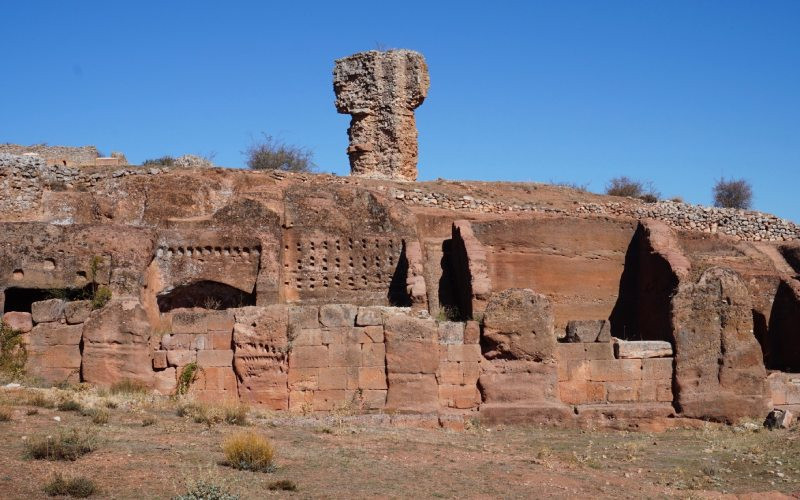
[{"x": 343, "y": 457}]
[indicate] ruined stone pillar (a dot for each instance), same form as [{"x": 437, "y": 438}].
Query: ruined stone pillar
[{"x": 381, "y": 90}]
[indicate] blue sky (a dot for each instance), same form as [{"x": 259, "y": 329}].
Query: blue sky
[{"x": 676, "y": 92}]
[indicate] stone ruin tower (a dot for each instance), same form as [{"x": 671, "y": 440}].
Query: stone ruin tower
[{"x": 381, "y": 90}]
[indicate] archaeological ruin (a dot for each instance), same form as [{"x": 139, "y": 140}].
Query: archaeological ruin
[{"x": 432, "y": 302}]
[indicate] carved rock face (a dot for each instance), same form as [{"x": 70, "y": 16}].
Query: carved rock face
[{"x": 381, "y": 90}]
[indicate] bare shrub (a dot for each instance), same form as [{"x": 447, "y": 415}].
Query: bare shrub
[
  {"x": 274, "y": 154},
  {"x": 5, "y": 414},
  {"x": 736, "y": 193},
  {"x": 625, "y": 186}
]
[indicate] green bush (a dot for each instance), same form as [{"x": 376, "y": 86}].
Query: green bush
[
  {"x": 12, "y": 353},
  {"x": 75, "y": 487},
  {"x": 164, "y": 161},
  {"x": 272, "y": 154},
  {"x": 186, "y": 378},
  {"x": 101, "y": 297},
  {"x": 68, "y": 445}
]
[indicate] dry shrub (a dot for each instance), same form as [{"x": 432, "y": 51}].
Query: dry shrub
[
  {"x": 99, "y": 416},
  {"x": 12, "y": 353},
  {"x": 206, "y": 491},
  {"x": 41, "y": 401},
  {"x": 68, "y": 445},
  {"x": 248, "y": 451},
  {"x": 236, "y": 414},
  {"x": 625, "y": 186},
  {"x": 203, "y": 413},
  {"x": 736, "y": 193},
  {"x": 129, "y": 386},
  {"x": 70, "y": 405},
  {"x": 273, "y": 154},
  {"x": 75, "y": 487},
  {"x": 148, "y": 421},
  {"x": 283, "y": 485},
  {"x": 5, "y": 414}
]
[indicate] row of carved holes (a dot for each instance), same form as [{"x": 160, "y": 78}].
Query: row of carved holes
[
  {"x": 337, "y": 283},
  {"x": 338, "y": 263},
  {"x": 338, "y": 244},
  {"x": 216, "y": 251}
]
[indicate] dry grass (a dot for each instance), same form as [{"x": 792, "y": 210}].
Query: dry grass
[
  {"x": 248, "y": 451},
  {"x": 67, "y": 445},
  {"x": 209, "y": 414},
  {"x": 129, "y": 387},
  {"x": 5, "y": 414},
  {"x": 75, "y": 487}
]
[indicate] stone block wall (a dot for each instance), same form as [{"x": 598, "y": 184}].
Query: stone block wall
[
  {"x": 52, "y": 334},
  {"x": 588, "y": 373},
  {"x": 785, "y": 389}
]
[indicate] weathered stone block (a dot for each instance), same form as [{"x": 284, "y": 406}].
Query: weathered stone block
[
  {"x": 304, "y": 316},
  {"x": 301, "y": 400},
  {"x": 160, "y": 360},
  {"x": 518, "y": 382},
  {"x": 572, "y": 392},
  {"x": 373, "y": 333},
  {"x": 344, "y": 355},
  {"x": 371, "y": 378},
  {"x": 402, "y": 328},
  {"x": 20, "y": 321},
  {"x": 459, "y": 396},
  {"x": 518, "y": 323},
  {"x": 615, "y": 370},
  {"x": 50, "y": 334},
  {"x": 77, "y": 311},
  {"x": 215, "y": 378},
  {"x": 329, "y": 400},
  {"x": 47, "y": 311},
  {"x": 449, "y": 373},
  {"x": 181, "y": 341},
  {"x": 640, "y": 349},
  {"x": 461, "y": 352},
  {"x": 369, "y": 316},
  {"x": 337, "y": 315},
  {"x": 308, "y": 357},
  {"x": 332, "y": 378},
  {"x": 219, "y": 340},
  {"x": 622, "y": 391},
  {"x": 219, "y": 321},
  {"x": 472, "y": 332},
  {"x": 451, "y": 332},
  {"x": 471, "y": 372},
  {"x": 412, "y": 392},
  {"x": 374, "y": 399},
  {"x": 587, "y": 330},
  {"x": 166, "y": 381},
  {"x": 599, "y": 350},
  {"x": 568, "y": 351},
  {"x": 412, "y": 357},
  {"x": 181, "y": 357},
  {"x": 308, "y": 336},
  {"x": 215, "y": 358},
  {"x": 303, "y": 379},
  {"x": 373, "y": 355},
  {"x": 189, "y": 321},
  {"x": 657, "y": 369}
]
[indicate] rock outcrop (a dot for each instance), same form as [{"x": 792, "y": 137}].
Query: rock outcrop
[
  {"x": 719, "y": 368},
  {"x": 381, "y": 90}
]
